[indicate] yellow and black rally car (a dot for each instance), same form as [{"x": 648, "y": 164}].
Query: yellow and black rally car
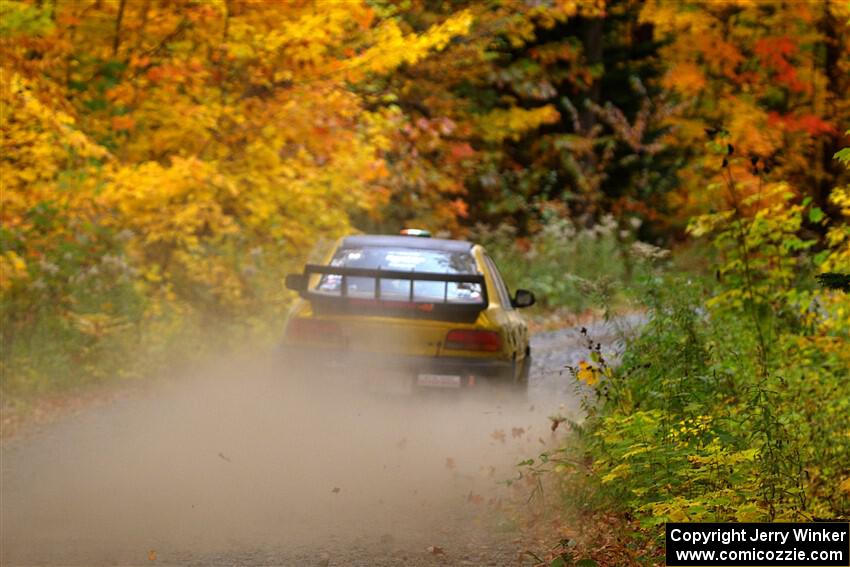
[{"x": 435, "y": 313}]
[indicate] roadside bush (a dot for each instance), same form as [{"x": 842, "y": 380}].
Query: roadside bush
[
  {"x": 79, "y": 307},
  {"x": 733, "y": 402}
]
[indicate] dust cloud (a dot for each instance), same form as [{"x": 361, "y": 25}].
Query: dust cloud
[{"x": 254, "y": 456}]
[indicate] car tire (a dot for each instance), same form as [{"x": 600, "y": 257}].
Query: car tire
[
  {"x": 521, "y": 379},
  {"x": 525, "y": 372}
]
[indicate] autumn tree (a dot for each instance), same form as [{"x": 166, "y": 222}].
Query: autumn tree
[
  {"x": 201, "y": 148},
  {"x": 768, "y": 78}
]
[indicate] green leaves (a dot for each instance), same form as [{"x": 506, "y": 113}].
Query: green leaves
[
  {"x": 725, "y": 401},
  {"x": 23, "y": 18}
]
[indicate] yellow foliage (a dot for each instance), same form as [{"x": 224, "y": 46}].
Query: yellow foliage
[
  {"x": 37, "y": 144},
  {"x": 231, "y": 127},
  {"x": 618, "y": 472},
  {"x": 748, "y": 127},
  {"x": 587, "y": 373},
  {"x": 191, "y": 191},
  {"x": 12, "y": 269},
  {"x": 514, "y": 122},
  {"x": 392, "y": 48},
  {"x": 838, "y": 236}
]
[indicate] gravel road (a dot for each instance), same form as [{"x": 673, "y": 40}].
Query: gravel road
[{"x": 240, "y": 465}]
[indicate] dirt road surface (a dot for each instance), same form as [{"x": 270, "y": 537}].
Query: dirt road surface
[{"x": 242, "y": 465}]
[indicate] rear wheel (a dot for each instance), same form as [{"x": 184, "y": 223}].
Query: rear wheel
[
  {"x": 525, "y": 371},
  {"x": 516, "y": 379}
]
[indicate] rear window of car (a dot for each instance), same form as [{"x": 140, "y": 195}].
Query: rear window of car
[{"x": 405, "y": 260}]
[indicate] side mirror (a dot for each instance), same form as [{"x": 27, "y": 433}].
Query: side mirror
[
  {"x": 296, "y": 282},
  {"x": 523, "y": 298}
]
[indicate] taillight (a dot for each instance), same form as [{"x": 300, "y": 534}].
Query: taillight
[
  {"x": 314, "y": 330},
  {"x": 464, "y": 339}
]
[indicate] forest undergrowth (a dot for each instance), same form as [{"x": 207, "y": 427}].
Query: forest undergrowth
[{"x": 731, "y": 403}]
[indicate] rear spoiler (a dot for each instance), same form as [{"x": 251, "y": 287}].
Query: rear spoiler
[{"x": 430, "y": 308}]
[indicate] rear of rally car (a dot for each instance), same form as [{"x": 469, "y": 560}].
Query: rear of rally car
[{"x": 416, "y": 312}]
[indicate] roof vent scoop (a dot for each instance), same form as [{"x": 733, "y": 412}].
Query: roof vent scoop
[{"x": 415, "y": 232}]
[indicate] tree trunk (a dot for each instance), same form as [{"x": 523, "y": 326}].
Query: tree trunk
[{"x": 116, "y": 41}]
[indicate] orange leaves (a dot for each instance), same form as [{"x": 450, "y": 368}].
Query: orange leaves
[
  {"x": 68, "y": 19},
  {"x": 122, "y": 122},
  {"x": 721, "y": 56},
  {"x": 746, "y": 122},
  {"x": 809, "y": 123},
  {"x": 165, "y": 72},
  {"x": 685, "y": 77},
  {"x": 756, "y": 78},
  {"x": 461, "y": 151},
  {"x": 775, "y": 53},
  {"x": 139, "y": 61},
  {"x": 122, "y": 94},
  {"x": 374, "y": 171},
  {"x": 553, "y": 53},
  {"x": 364, "y": 18},
  {"x": 459, "y": 207},
  {"x": 774, "y": 50}
]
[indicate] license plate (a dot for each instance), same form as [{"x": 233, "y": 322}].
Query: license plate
[{"x": 438, "y": 380}]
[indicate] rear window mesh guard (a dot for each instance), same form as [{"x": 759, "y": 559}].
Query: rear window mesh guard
[
  {"x": 378, "y": 275},
  {"x": 428, "y": 308}
]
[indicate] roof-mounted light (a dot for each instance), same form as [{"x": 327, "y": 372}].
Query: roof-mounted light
[{"x": 415, "y": 232}]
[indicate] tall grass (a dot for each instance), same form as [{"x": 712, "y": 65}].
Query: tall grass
[{"x": 564, "y": 265}]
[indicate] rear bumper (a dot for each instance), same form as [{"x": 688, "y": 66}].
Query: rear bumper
[{"x": 470, "y": 369}]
